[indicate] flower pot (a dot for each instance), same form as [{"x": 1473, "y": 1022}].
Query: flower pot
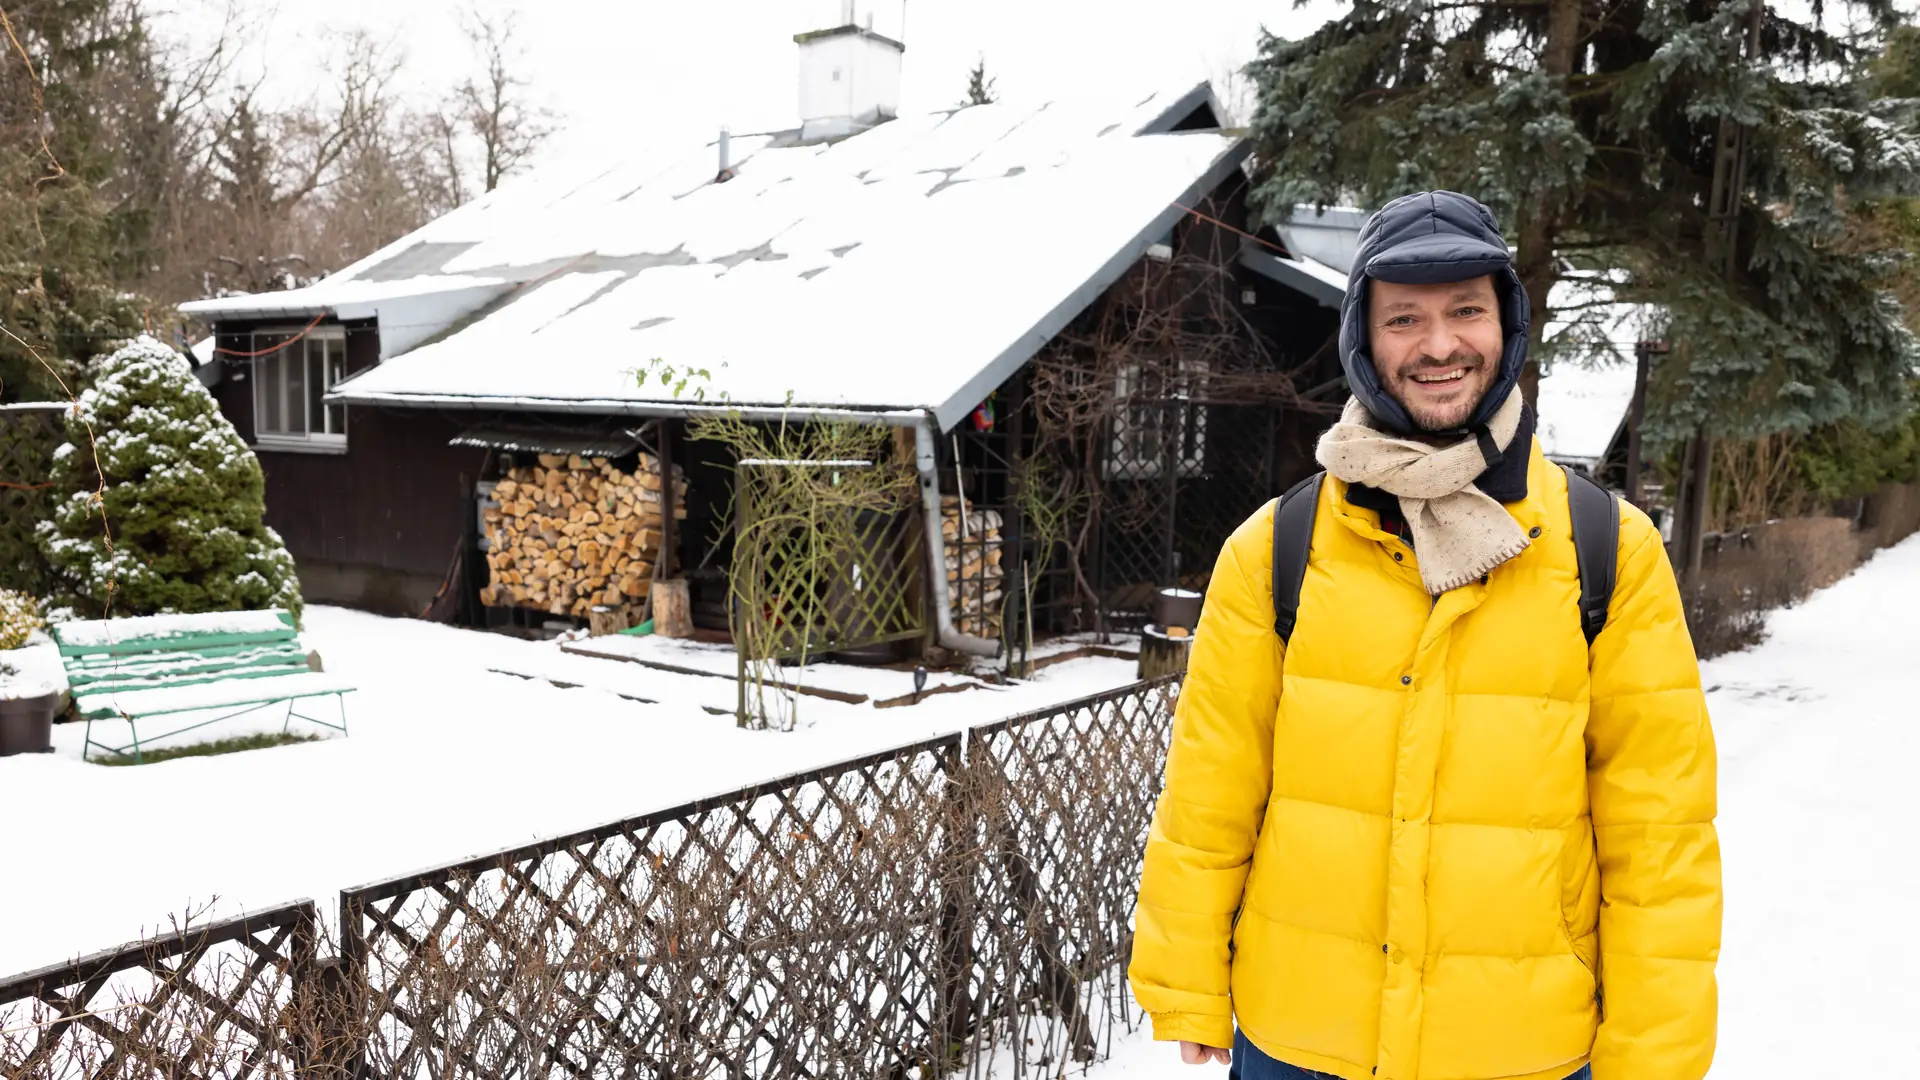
[{"x": 26, "y": 724}]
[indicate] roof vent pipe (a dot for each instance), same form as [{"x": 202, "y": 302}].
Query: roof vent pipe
[{"x": 726, "y": 157}]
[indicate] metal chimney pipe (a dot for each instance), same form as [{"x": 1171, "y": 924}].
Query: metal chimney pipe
[
  {"x": 846, "y": 13},
  {"x": 726, "y": 156}
]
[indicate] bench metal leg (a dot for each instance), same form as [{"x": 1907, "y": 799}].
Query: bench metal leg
[{"x": 340, "y": 701}]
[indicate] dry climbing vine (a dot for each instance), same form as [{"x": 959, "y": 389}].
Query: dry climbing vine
[{"x": 1166, "y": 340}]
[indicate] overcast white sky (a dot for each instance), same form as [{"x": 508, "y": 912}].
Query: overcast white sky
[{"x": 621, "y": 71}]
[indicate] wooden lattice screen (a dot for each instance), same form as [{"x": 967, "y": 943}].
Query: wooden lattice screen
[{"x": 817, "y": 571}]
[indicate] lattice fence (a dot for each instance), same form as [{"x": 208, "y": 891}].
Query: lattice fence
[
  {"x": 955, "y": 905},
  {"x": 786, "y": 930},
  {"x": 28, "y": 436},
  {"x": 217, "y": 1001},
  {"x": 1180, "y": 477},
  {"x": 1052, "y": 835},
  {"x": 960, "y": 906}
]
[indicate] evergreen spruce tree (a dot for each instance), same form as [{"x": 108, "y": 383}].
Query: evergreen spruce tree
[
  {"x": 979, "y": 86},
  {"x": 1593, "y": 128},
  {"x": 183, "y": 495}
]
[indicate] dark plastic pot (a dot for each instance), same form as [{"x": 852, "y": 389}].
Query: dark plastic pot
[
  {"x": 1177, "y": 607},
  {"x": 26, "y": 724}
]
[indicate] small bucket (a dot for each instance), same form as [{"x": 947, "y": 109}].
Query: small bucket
[{"x": 1176, "y": 607}]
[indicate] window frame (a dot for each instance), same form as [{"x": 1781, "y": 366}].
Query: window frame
[
  {"x": 311, "y": 442},
  {"x": 1135, "y": 423}
]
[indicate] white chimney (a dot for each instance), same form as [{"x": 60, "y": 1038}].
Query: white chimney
[{"x": 849, "y": 78}]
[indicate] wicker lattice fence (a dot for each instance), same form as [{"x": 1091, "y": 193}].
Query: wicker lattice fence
[
  {"x": 1053, "y": 826},
  {"x": 217, "y": 1001},
  {"x": 950, "y": 906},
  {"x": 960, "y": 906},
  {"x": 826, "y": 558},
  {"x": 28, "y": 436}
]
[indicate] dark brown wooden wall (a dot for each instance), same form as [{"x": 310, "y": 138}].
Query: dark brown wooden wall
[{"x": 398, "y": 499}]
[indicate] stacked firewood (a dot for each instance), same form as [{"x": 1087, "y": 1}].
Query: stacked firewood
[
  {"x": 976, "y": 581},
  {"x": 573, "y": 532}
]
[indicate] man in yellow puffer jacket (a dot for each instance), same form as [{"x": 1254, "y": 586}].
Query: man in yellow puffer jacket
[{"x": 1435, "y": 835}]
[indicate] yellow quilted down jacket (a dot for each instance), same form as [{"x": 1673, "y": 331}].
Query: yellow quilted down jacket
[{"x": 1438, "y": 840}]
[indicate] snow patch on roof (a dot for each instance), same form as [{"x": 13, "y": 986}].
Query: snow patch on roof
[{"x": 346, "y": 299}]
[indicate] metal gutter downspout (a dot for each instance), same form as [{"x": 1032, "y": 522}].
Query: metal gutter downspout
[{"x": 944, "y": 631}]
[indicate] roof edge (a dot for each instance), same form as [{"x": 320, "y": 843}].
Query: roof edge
[
  {"x": 1289, "y": 273},
  {"x": 843, "y": 31},
  {"x": 902, "y": 416},
  {"x": 1182, "y": 107},
  {"x": 957, "y": 407}
]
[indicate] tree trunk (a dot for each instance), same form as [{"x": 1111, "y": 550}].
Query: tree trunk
[
  {"x": 1161, "y": 654},
  {"x": 672, "y": 609},
  {"x": 1636, "y": 420},
  {"x": 1700, "y": 509},
  {"x": 1540, "y": 224}
]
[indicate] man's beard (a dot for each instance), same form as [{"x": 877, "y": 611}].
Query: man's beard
[{"x": 1428, "y": 422}]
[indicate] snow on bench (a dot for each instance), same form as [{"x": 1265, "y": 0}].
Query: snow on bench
[
  {"x": 116, "y": 703},
  {"x": 153, "y": 633}
]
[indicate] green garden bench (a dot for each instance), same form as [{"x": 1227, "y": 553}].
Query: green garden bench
[{"x": 147, "y": 668}]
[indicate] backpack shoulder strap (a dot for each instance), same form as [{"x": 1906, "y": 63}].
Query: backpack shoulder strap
[
  {"x": 1293, "y": 518},
  {"x": 1596, "y": 547}
]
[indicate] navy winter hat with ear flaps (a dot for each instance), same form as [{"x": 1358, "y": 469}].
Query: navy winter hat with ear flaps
[{"x": 1421, "y": 239}]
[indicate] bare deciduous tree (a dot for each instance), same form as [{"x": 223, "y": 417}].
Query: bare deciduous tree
[{"x": 493, "y": 101}]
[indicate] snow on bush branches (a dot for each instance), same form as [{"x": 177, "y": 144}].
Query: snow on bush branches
[
  {"x": 184, "y": 497},
  {"x": 19, "y": 618}
]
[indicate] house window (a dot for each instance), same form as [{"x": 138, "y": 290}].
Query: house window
[
  {"x": 1149, "y": 427},
  {"x": 289, "y": 387}
]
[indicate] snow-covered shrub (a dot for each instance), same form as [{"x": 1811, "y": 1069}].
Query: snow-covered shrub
[
  {"x": 19, "y": 618},
  {"x": 184, "y": 499}
]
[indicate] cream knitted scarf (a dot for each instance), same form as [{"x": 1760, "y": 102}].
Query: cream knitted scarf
[{"x": 1459, "y": 532}]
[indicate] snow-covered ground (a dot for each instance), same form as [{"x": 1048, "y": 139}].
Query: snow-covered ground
[
  {"x": 1818, "y": 729},
  {"x": 1819, "y": 738},
  {"x": 446, "y": 758}
]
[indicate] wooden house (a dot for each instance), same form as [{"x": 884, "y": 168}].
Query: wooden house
[{"x": 910, "y": 271}]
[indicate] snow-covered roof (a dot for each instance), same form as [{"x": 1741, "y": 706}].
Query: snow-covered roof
[
  {"x": 1301, "y": 273},
  {"x": 1587, "y": 389},
  {"x": 913, "y": 266}
]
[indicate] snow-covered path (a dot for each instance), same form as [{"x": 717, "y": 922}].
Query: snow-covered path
[
  {"x": 1819, "y": 738},
  {"x": 446, "y": 759}
]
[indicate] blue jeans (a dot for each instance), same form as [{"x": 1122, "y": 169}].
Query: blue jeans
[{"x": 1250, "y": 1064}]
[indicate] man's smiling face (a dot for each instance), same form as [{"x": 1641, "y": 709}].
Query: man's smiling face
[{"x": 1436, "y": 348}]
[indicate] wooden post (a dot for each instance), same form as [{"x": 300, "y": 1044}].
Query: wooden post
[
  {"x": 1702, "y": 501},
  {"x": 672, "y": 609},
  {"x": 1162, "y": 653},
  {"x": 668, "y": 566},
  {"x": 604, "y": 619}
]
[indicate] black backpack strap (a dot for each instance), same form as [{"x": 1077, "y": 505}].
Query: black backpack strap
[
  {"x": 1596, "y": 547},
  {"x": 1292, "y": 541}
]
